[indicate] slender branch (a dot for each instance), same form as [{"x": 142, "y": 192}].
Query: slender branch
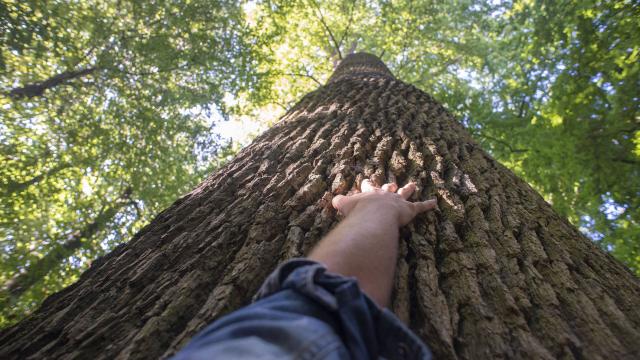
[
  {"x": 327, "y": 29},
  {"x": 159, "y": 71},
  {"x": 136, "y": 206},
  {"x": 297, "y": 74},
  {"x": 305, "y": 75},
  {"x": 626, "y": 161},
  {"x": 522, "y": 104},
  {"x": 502, "y": 142},
  {"x": 284, "y": 107},
  {"x": 17, "y": 187},
  {"x": 346, "y": 30}
]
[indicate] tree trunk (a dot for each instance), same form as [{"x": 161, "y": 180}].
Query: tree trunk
[{"x": 495, "y": 274}]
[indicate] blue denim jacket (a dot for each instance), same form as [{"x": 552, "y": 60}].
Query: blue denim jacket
[{"x": 303, "y": 312}]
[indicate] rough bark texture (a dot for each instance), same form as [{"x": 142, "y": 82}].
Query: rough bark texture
[{"x": 495, "y": 274}]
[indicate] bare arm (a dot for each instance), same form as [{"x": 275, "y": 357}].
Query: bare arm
[{"x": 365, "y": 244}]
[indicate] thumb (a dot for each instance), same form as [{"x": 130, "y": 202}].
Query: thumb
[{"x": 338, "y": 201}]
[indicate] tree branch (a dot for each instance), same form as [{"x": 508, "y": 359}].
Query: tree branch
[
  {"x": 522, "y": 104},
  {"x": 297, "y": 74},
  {"x": 159, "y": 71},
  {"x": 17, "y": 187},
  {"x": 501, "y": 142},
  {"x": 284, "y": 107},
  {"x": 327, "y": 30},
  {"x": 626, "y": 161},
  {"x": 305, "y": 75},
  {"x": 38, "y": 88},
  {"x": 346, "y": 30}
]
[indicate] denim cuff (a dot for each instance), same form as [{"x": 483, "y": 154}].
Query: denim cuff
[{"x": 366, "y": 330}]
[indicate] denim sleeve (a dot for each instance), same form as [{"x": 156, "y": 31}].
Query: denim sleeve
[{"x": 303, "y": 312}]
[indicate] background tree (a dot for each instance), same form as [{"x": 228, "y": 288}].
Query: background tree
[
  {"x": 496, "y": 273},
  {"x": 573, "y": 91},
  {"x": 101, "y": 99}
]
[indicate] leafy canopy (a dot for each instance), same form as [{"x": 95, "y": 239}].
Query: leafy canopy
[{"x": 90, "y": 159}]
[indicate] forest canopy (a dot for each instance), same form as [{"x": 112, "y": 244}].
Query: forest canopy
[{"x": 110, "y": 110}]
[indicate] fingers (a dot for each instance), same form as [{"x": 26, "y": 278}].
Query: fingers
[
  {"x": 338, "y": 201},
  {"x": 367, "y": 185},
  {"x": 422, "y": 206},
  {"x": 391, "y": 187},
  {"x": 407, "y": 190}
]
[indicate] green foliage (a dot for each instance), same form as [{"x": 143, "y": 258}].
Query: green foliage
[
  {"x": 119, "y": 117},
  {"x": 124, "y": 139},
  {"x": 568, "y": 94}
]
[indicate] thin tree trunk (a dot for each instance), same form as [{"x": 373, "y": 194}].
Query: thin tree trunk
[
  {"x": 495, "y": 274},
  {"x": 38, "y": 88}
]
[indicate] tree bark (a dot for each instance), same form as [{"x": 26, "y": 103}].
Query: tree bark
[
  {"x": 38, "y": 88},
  {"x": 495, "y": 274}
]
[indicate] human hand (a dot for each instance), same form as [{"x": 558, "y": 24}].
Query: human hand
[{"x": 383, "y": 201}]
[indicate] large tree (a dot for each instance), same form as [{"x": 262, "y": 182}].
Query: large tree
[
  {"x": 533, "y": 81},
  {"x": 99, "y": 97},
  {"x": 495, "y": 273}
]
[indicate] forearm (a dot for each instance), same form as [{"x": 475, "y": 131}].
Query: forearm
[{"x": 365, "y": 246}]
